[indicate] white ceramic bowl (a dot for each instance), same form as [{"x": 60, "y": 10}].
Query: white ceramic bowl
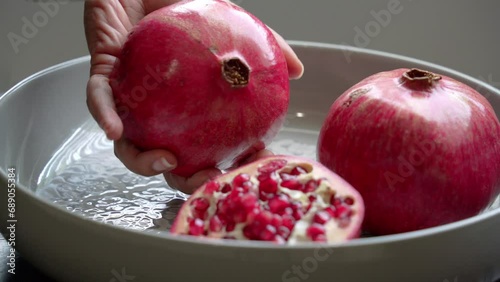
[{"x": 40, "y": 114}]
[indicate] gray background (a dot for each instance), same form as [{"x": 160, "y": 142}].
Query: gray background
[{"x": 460, "y": 34}]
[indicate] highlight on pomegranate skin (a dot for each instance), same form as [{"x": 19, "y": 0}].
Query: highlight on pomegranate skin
[
  {"x": 281, "y": 199},
  {"x": 203, "y": 79},
  {"x": 422, "y": 149}
]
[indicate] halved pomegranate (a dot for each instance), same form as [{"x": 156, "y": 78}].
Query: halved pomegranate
[{"x": 282, "y": 199}]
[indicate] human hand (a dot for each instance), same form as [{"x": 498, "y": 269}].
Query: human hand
[{"x": 107, "y": 24}]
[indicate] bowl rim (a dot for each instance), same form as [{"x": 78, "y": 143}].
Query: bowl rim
[{"x": 166, "y": 236}]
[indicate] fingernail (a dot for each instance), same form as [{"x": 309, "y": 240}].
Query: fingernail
[{"x": 162, "y": 164}]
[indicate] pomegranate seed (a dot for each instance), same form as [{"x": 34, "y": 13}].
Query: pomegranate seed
[
  {"x": 312, "y": 198},
  {"x": 298, "y": 170},
  {"x": 240, "y": 179},
  {"x": 284, "y": 232},
  {"x": 297, "y": 214},
  {"x": 288, "y": 221},
  {"x": 226, "y": 188},
  {"x": 272, "y": 166},
  {"x": 311, "y": 186},
  {"x": 239, "y": 216},
  {"x": 288, "y": 211},
  {"x": 321, "y": 217},
  {"x": 335, "y": 201},
  {"x": 247, "y": 186},
  {"x": 268, "y": 185},
  {"x": 293, "y": 184},
  {"x": 248, "y": 232},
  {"x": 314, "y": 230},
  {"x": 211, "y": 187},
  {"x": 200, "y": 204},
  {"x": 196, "y": 227},
  {"x": 343, "y": 212},
  {"x": 268, "y": 233},
  {"x": 279, "y": 203},
  {"x": 276, "y": 221},
  {"x": 230, "y": 226},
  {"x": 349, "y": 201},
  {"x": 249, "y": 201},
  {"x": 332, "y": 211},
  {"x": 215, "y": 224}
]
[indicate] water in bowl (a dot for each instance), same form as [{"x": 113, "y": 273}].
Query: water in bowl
[{"x": 86, "y": 178}]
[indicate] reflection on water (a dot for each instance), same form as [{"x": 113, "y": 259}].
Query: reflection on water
[{"x": 85, "y": 177}]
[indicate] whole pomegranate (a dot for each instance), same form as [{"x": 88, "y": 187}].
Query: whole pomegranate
[
  {"x": 422, "y": 149},
  {"x": 204, "y": 79},
  {"x": 281, "y": 199}
]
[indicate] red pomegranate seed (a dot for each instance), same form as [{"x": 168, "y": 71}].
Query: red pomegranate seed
[
  {"x": 293, "y": 184},
  {"x": 211, "y": 187},
  {"x": 196, "y": 227},
  {"x": 332, "y": 211},
  {"x": 248, "y": 232},
  {"x": 284, "y": 232},
  {"x": 276, "y": 221},
  {"x": 268, "y": 185},
  {"x": 249, "y": 201},
  {"x": 226, "y": 188},
  {"x": 335, "y": 201},
  {"x": 247, "y": 186},
  {"x": 215, "y": 224},
  {"x": 312, "y": 198},
  {"x": 278, "y": 204},
  {"x": 314, "y": 230},
  {"x": 311, "y": 186},
  {"x": 298, "y": 170},
  {"x": 288, "y": 221},
  {"x": 321, "y": 217},
  {"x": 230, "y": 226},
  {"x": 240, "y": 179},
  {"x": 268, "y": 233},
  {"x": 200, "y": 204},
  {"x": 272, "y": 166},
  {"x": 349, "y": 201},
  {"x": 343, "y": 212}
]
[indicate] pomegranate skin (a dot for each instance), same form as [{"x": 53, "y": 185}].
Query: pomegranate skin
[
  {"x": 203, "y": 79},
  {"x": 238, "y": 205},
  {"x": 423, "y": 150}
]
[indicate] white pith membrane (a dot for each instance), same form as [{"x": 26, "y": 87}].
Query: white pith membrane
[{"x": 336, "y": 228}]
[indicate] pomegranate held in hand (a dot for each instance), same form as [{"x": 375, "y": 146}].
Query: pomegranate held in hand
[
  {"x": 281, "y": 199},
  {"x": 203, "y": 79},
  {"x": 422, "y": 149}
]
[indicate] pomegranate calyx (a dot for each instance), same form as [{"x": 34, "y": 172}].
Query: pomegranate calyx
[
  {"x": 236, "y": 72},
  {"x": 417, "y": 78}
]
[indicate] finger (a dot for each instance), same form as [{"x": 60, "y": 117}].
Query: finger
[
  {"x": 190, "y": 184},
  {"x": 295, "y": 66},
  {"x": 258, "y": 155},
  {"x": 102, "y": 107},
  {"x": 146, "y": 163}
]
